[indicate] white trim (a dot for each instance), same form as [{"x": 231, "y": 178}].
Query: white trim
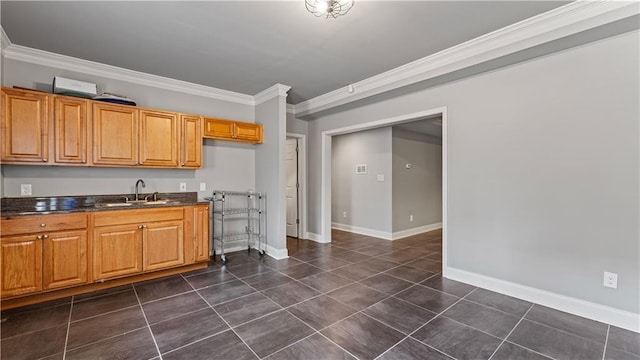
[
  {"x": 270, "y": 93},
  {"x": 317, "y": 238},
  {"x": 270, "y": 250},
  {"x": 277, "y": 253},
  {"x": 415, "y": 231},
  {"x": 606, "y": 314},
  {"x": 302, "y": 179},
  {"x": 560, "y": 22},
  {"x": 291, "y": 109},
  {"x": 4, "y": 40},
  {"x": 362, "y": 231},
  {"x": 45, "y": 58}
]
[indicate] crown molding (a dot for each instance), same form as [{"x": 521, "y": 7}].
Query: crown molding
[
  {"x": 4, "y": 39},
  {"x": 270, "y": 93},
  {"x": 45, "y": 58},
  {"x": 291, "y": 109},
  {"x": 563, "y": 21}
]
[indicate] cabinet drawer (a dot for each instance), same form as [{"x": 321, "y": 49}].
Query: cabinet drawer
[
  {"x": 43, "y": 223},
  {"x": 137, "y": 216}
]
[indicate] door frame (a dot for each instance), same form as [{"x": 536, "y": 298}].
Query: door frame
[
  {"x": 325, "y": 188},
  {"x": 302, "y": 180}
]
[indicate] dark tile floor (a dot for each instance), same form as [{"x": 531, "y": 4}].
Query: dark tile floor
[{"x": 359, "y": 297}]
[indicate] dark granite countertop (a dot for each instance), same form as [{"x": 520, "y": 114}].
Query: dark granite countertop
[{"x": 25, "y": 206}]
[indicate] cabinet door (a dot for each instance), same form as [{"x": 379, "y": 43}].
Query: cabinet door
[
  {"x": 115, "y": 135},
  {"x": 65, "y": 259},
  {"x": 158, "y": 138},
  {"x": 201, "y": 229},
  {"x": 117, "y": 251},
  {"x": 21, "y": 264},
  {"x": 219, "y": 129},
  {"x": 163, "y": 245},
  {"x": 25, "y": 122},
  {"x": 191, "y": 141},
  {"x": 70, "y": 129},
  {"x": 249, "y": 132}
]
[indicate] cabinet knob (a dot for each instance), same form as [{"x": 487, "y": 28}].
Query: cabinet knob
[
  {"x": 181, "y": 164},
  {"x": 43, "y": 225},
  {"x": 45, "y": 236},
  {"x": 39, "y": 237},
  {"x": 140, "y": 226},
  {"x": 44, "y": 160}
]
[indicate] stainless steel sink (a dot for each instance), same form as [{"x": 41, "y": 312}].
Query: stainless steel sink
[
  {"x": 114, "y": 204},
  {"x": 157, "y": 202}
]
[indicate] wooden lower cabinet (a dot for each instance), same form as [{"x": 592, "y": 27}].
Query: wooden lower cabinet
[
  {"x": 65, "y": 259},
  {"x": 50, "y": 256},
  {"x": 117, "y": 251},
  {"x": 201, "y": 233},
  {"x": 163, "y": 244},
  {"x": 21, "y": 265}
]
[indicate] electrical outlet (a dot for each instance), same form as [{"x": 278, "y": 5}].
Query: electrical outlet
[
  {"x": 411, "y": 218},
  {"x": 203, "y": 186},
  {"x": 25, "y": 189},
  {"x": 183, "y": 187},
  {"x": 344, "y": 214},
  {"x": 610, "y": 280}
]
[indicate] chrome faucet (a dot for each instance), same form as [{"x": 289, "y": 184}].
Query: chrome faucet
[{"x": 140, "y": 181}]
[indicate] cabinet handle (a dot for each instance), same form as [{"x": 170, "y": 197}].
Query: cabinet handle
[
  {"x": 39, "y": 237},
  {"x": 142, "y": 226},
  {"x": 43, "y": 225}
]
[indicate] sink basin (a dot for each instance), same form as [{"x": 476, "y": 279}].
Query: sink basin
[
  {"x": 114, "y": 204},
  {"x": 157, "y": 202}
]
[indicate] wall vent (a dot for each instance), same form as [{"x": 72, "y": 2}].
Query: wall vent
[{"x": 361, "y": 169}]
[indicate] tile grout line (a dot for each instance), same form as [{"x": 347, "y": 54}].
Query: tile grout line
[
  {"x": 510, "y": 332},
  {"x": 606, "y": 340},
  {"x": 221, "y": 318},
  {"x": 66, "y": 340},
  {"x": 147, "y": 321},
  {"x": 430, "y": 320}
]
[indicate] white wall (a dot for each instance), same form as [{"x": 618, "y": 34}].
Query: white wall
[
  {"x": 416, "y": 191},
  {"x": 227, "y": 166},
  {"x": 543, "y": 169},
  {"x": 366, "y": 201}
]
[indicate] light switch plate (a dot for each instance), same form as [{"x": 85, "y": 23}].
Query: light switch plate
[
  {"x": 380, "y": 177},
  {"x": 203, "y": 186}
]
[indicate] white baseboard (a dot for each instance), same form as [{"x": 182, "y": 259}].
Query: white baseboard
[
  {"x": 318, "y": 238},
  {"x": 606, "y": 314},
  {"x": 386, "y": 235},
  {"x": 415, "y": 231},
  {"x": 277, "y": 253},
  {"x": 362, "y": 231}
]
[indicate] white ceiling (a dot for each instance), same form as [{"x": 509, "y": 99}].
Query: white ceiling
[{"x": 247, "y": 47}]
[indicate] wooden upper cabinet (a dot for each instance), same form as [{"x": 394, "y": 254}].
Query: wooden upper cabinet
[
  {"x": 115, "y": 135},
  {"x": 190, "y": 141},
  {"x": 222, "y": 129},
  {"x": 71, "y": 130},
  {"x": 249, "y": 132},
  {"x": 219, "y": 129},
  {"x": 25, "y": 126},
  {"x": 158, "y": 138}
]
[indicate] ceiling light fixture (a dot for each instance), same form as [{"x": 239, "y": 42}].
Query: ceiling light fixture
[{"x": 329, "y": 8}]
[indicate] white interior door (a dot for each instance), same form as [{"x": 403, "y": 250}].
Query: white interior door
[{"x": 292, "y": 187}]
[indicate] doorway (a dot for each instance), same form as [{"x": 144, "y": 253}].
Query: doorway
[
  {"x": 326, "y": 177},
  {"x": 295, "y": 155}
]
